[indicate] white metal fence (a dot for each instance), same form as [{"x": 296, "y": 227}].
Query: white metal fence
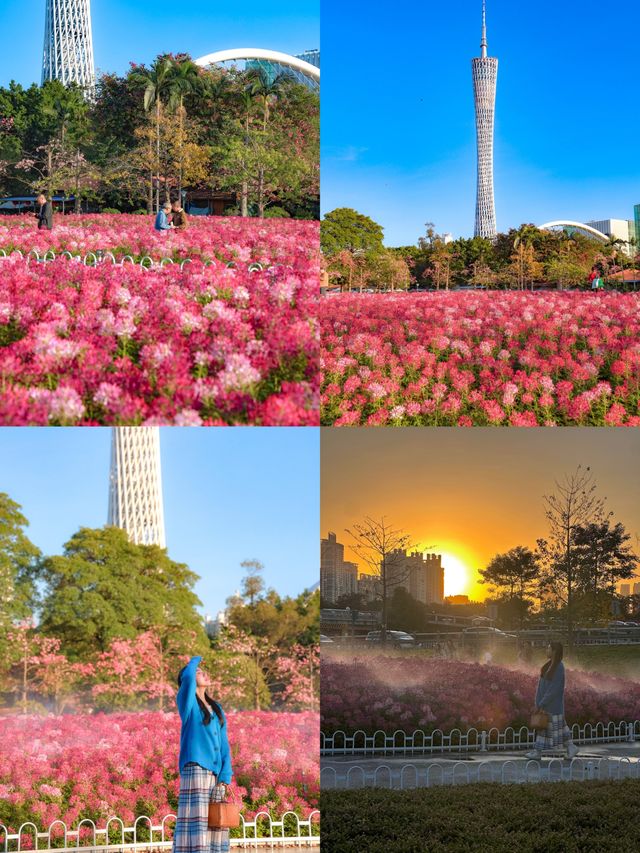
[
  {"x": 420, "y": 742},
  {"x": 93, "y": 259},
  {"x": 465, "y": 773},
  {"x": 290, "y": 831}
]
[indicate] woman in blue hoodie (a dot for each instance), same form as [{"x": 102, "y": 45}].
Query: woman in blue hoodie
[
  {"x": 205, "y": 763},
  {"x": 550, "y": 698}
]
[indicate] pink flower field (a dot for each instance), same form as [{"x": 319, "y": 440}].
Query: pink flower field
[
  {"x": 96, "y": 766},
  {"x": 416, "y": 692},
  {"x": 120, "y": 344},
  {"x": 479, "y": 359}
]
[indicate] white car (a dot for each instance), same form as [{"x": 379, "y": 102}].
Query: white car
[
  {"x": 399, "y": 639},
  {"x": 488, "y": 632},
  {"x": 324, "y": 640}
]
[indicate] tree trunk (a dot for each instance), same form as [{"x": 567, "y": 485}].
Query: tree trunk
[{"x": 24, "y": 681}]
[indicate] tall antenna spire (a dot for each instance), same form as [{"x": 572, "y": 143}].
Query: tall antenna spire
[{"x": 483, "y": 43}]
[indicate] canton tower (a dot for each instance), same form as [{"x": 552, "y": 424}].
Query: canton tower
[
  {"x": 485, "y": 76},
  {"x": 135, "y": 484},
  {"x": 68, "y": 45}
]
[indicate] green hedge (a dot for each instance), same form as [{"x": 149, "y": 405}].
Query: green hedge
[{"x": 572, "y": 817}]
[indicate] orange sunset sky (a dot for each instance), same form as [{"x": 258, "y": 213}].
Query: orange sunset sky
[{"x": 469, "y": 494}]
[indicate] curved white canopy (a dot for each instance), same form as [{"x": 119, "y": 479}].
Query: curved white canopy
[
  {"x": 241, "y": 53},
  {"x": 561, "y": 223}
]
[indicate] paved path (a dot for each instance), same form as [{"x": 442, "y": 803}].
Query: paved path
[{"x": 601, "y": 761}]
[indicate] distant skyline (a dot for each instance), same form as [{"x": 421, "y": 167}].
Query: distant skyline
[
  {"x": 229, "y": 495},
  {"x": 398, "y": 134},
  {"x": 470, "y": 494},
  {"x": 137, "y": 31}
]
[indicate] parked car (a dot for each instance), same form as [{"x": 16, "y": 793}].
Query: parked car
[
  {"x": 617, "y": 624},
  {"x": 324, "y": 639},
  {"x": 486, "y": 632},
  {"x": 397, "y": 639}
]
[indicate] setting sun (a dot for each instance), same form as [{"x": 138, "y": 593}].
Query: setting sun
[{"x": 457, "y": 577}]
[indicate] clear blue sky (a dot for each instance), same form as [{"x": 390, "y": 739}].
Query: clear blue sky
[
  {"x": 398, "y": 128},
  {"x": 229, "y": 494},
  {"x": 138, "y": 30}
]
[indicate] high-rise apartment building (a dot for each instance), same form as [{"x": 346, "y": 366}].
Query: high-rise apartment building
[{"x": 338, "y": 576}]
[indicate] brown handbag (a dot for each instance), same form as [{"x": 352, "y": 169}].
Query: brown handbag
[
  {"x": 223, "y": 815},
  {"x": 539, "y": 720}
]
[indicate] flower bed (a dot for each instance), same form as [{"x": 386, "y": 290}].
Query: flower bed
[
  {"x": 519, "y": 359},
  {"x": 225, "y": 238},
  {"x": 96, "y": 766},
  {"x": 409, "y": 693},
  {"x": 123, "y": 345}
]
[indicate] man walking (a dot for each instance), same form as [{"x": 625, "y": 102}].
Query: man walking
[{"x": 44, "y": 212}]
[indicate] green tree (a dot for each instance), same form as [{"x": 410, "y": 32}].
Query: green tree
[
  {"x": 105, "y": 587},
  {"x": 19, "y": 564},
  {"x": 344, "y": 228},
  {"x": 252, "y": 582},
  {"x": 515, "y": 576}
]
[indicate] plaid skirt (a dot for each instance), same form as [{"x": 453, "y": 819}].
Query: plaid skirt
[
  {"x": 192, "y": 834},
  {"x": 555, "y": 735}
]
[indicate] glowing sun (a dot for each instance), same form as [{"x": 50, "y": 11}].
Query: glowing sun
[{"x": 456, "y": 575}]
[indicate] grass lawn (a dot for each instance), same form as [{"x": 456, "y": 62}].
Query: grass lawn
[{"x": 572, "y": 817}]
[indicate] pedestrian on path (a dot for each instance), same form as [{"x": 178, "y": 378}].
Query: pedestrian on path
[
  {"x": 550, "y": 700},
  {"x": 44, "y": 213},
  {"x": 205, "y": 764}
]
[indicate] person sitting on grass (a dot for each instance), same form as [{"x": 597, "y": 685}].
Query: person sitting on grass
[
  {"x": 162, "y": 219},
  {"x": 550, "y": 698},
  {"x": 179, "y": 217}
]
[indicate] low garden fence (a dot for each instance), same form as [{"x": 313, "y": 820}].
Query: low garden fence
[
  {"x": 93, "y": 259},
  {"x": 420, "y": 742},
  {"x": 411, "y": 776},
  {"x": 289, "y": 832}
]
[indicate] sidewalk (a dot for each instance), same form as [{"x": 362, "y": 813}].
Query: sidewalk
[{"x": 595, "y": 761}]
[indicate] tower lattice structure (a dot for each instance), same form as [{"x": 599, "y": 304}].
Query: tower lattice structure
[
  {"x": 68, "y": 43},
  {"x": 135, "y": 484},
  {"x": 485, "y": 77}
]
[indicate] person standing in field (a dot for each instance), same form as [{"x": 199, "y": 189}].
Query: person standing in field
[
  {"x": 162, "y": 219},
  {"x": 205, "y": 763},
  {"x": 550, "y": 699},
  {"x": 44, "y": 212},
  {"x": 179, "y": 217}
]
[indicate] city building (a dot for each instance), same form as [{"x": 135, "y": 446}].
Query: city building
[
  {"x": 485, "y": 77},
  {"x": 457, "y": 599},
  {"x": 68, "y": 44},
  {"x": 213, "y": 626},
  {"x": 621, "y": 229},
  {"x": 636, "y": 225},
  {"x": 338, "y": 576},
  {"x": 421, "y": 575},
  {"x": 636, "y": 589},
  {"x": 625, "y": 590},
  {"x": 135, "y": 484},
  {"x": 369, "y": 587}
]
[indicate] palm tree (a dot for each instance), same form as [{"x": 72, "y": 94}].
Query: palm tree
[
  {"x": 185, "y": 80},
  {"x": 156, "y": 82}
]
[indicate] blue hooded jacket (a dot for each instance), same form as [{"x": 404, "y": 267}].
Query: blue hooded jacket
[
  {"x": 550, "y": 693},
  {"x": 207, "y": 746}
]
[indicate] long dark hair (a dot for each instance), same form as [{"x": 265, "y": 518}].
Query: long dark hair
[
  {"x": 549, "y": 667},
  {"x": 206, "y": 713}
]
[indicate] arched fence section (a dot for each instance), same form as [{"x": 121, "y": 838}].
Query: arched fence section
[
  {"x": 509, "y": 772},
  {"x": 94, "y": 259},
  {"x": 144, "y": 836},
  {"x": 419, "y": 742}
]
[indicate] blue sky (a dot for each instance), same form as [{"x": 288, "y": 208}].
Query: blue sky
[
  {"x": 229, "y": 494},
  {"x": 398, "y": 132},
  {"x": 137, "y": 30}
]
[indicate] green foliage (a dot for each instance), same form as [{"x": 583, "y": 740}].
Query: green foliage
[
  {"x": 346, "y": 229},
  {"x": 554, "y": 817},
  {"x": 104, "y": 587},
  {"x": 161, "y": 120},
  {"x": 19, "y": 564}
]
